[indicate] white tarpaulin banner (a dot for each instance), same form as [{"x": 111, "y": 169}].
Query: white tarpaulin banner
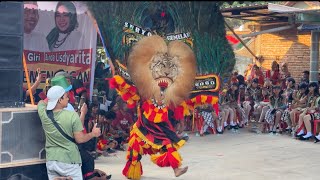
[{"x": 59, "y": 35}]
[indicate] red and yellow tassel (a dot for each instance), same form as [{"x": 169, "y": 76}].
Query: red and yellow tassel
[
  {"x": 169, "y": 158},
  {"x": 127, "y": 92},
  {"x": 101, "y": 144},
  {"x": 133, "y": 168},
  {"x": 133, "y": 171}
]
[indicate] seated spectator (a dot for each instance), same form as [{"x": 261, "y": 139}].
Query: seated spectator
[
  {"x": 224, "y": 108},
  {"x": 256, "y": 73},
  {"x": 243, "y": 104},
  {"x": 241, "y": 80},
  {"x": 105, "y": 142},
  {"x": 277, "y": 106},
  {"x": 284, "y": 74},
  {"x": 123, "y": 120},
  {"x": 313, "y": 113},
  {"x": 288, "y": 93},
  {"x": 305, "y": 77},
  {"x": 232, "y": 98},
  {"x": 266, "y": 93},
  {"x": 253, "y": 95},
  {"x": 311, "y": 106},
  {"x": 209, "y": 116},
  {"x": 92, "y": 115},
  {"x": 299, "y": 103},
  {"x": 113, "y": 134},
  {"x": 274, "y": 74},
  {"x": 233, "y": 78}
]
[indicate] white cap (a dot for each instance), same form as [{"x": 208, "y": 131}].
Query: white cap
[{"x": 54, "y": 94}]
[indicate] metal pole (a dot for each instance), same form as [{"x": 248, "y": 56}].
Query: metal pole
[
  {"x": 314, "y": 56},
  {"x": 243, "y": 43},
  {"x": 269, "y": 31}
]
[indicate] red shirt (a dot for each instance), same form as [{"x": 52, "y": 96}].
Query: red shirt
[{"x": 124, "y": 120}]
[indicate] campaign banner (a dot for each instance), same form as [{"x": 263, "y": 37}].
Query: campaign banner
[{"x": 59, "y": 35}]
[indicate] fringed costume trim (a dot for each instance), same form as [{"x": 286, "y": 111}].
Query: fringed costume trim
[
  {"x": 168, "y": 158},
  {"x": 127, "y": 92}
]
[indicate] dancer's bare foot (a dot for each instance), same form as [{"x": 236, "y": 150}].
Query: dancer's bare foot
[{"x": 179, "y": 171}]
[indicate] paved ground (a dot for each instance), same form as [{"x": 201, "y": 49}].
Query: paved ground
[{"x": 243, "y": 156}]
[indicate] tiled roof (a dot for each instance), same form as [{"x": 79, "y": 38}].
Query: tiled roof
[{"x": 244, "y": 5}]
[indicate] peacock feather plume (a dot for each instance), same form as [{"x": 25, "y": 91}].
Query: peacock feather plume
[{"x": 202, "y": 19}]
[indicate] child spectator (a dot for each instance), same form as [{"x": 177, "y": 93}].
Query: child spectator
[{"x": 123, "y": 120}]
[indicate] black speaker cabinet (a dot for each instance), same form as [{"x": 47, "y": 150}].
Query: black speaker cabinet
[
  {"x": 22, "y": 142},
  {"x": 11, "y": 49}
]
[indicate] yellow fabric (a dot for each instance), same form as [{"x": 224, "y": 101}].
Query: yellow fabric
[
  {"x": 177, "y": 156},
  {"x": 134, "y": 171},
  {"x": 158, "y": 118}
]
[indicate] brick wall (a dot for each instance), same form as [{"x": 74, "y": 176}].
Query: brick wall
[{"x": 290, "y": 46}]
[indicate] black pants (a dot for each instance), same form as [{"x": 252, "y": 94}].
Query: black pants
[
  {"x": 87, "y": 161},
  {"x": 120, "y": 140}
]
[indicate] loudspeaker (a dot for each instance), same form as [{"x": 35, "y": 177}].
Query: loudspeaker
[
  {"x": 22, "y": 144},
  {"x": 22, "y": 137},
  {"x": 11, "y": 49}
]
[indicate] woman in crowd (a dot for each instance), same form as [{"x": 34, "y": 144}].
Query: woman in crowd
[
  {"x": 274, "y": 73},
  {"x": 314, "y": 113},
  {"x": 243, "y": 104},
  {"x": 253, "y": 97},
  {"x": 288, "y": 93},
  {"x": 284, "y": 74},
  {"x": 232, "y": 96},
  {"x": 277, "y": 106},
  {"x": 264, "y": 104},
  {"x": 310, "y": 109},
  {"x": 209, "y": 116},
  {"x": 256, "y": 72},
  {"x": 299, "y": 103},
  {"x": 225, "y": 108}
]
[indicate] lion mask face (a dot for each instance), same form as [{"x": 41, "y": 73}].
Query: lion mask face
[{"x": 161, "y": 72}]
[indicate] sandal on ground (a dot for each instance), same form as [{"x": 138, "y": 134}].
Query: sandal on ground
[{"x": 97, "y": 176}]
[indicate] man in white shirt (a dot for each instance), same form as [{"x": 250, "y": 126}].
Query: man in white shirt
[{"x": 34, "y": 41}]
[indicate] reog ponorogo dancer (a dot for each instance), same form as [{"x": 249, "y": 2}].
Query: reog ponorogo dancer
[{"x": 163, "y": 76}]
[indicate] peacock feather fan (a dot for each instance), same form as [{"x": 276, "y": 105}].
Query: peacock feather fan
[{"x": 202, "y": 19}]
